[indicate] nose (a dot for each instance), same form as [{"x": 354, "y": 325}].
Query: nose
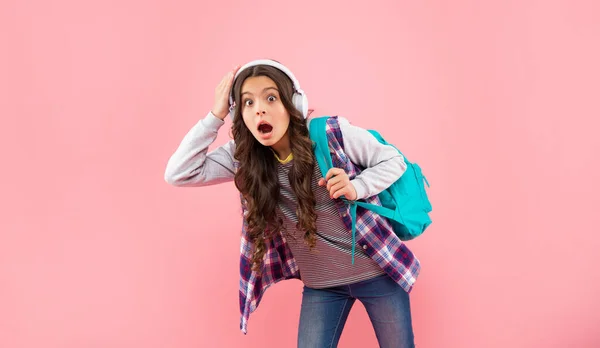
[{"x": 260, "y": 108}]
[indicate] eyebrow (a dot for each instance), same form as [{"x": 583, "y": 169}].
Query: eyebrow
[{"x": 264, "y": 90}]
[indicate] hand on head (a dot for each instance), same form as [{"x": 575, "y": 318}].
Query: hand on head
[{"x": 222, "y": 91}]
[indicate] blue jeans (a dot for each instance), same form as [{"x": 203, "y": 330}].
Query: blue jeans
[{"x": 324, "y": 313}]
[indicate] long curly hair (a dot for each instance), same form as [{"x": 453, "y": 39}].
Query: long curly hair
[{"x": 256, "y": 177}]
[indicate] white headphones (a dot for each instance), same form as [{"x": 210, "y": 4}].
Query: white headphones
[{"x": 298, "y": 99}]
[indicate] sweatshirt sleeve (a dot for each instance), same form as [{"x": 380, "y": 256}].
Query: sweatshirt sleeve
[
  {"x": 192, "y": 165},
  {"x": 383, "y": 163}
]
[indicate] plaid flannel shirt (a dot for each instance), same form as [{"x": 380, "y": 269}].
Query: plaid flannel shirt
[{"x": 374, "y": 235}]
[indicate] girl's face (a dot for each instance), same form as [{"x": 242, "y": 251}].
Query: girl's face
[{"x": 263, "y": 112}]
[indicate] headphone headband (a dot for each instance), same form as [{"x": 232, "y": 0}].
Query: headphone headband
[{"x": 299, "y": 99}]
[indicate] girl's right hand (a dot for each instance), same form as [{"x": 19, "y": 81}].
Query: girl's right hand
[{"x": 221, "y": 106}]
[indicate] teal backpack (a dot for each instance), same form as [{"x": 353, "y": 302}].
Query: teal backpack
[{"x": 405, "y": 203}]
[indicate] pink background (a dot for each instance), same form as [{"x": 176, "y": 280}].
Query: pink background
[{"x": 498, "y": 102}]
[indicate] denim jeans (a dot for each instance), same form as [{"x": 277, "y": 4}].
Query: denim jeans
[{"x": 324, "y": 313}]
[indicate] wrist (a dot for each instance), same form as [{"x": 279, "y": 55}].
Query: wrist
[
  {"x": 220, "y": 116},
  {"x": 213, "y": 122}
]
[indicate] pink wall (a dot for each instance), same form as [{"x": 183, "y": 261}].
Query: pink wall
[{"x": 498, "y": 102}]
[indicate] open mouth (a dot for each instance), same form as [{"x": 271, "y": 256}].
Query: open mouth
[{"x": 264, "y": 127}]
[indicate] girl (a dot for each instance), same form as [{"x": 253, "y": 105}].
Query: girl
[{"x": 295, "y": 223}]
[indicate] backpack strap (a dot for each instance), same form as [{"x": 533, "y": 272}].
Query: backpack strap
[{"x": 318, "y": 134}]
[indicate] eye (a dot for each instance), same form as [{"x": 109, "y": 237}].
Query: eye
[
  {"x": 272, "y": 98},
  {"x": 247, "y": 102}
]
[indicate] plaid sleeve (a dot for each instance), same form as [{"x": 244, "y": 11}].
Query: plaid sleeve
[
  {"x": 374, "y": 232},
  {"x": 278, "y": 264}
]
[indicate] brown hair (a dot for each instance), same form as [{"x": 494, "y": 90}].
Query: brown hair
[{"x": 256, "y": 178}]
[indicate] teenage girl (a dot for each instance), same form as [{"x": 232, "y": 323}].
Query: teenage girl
[{"x": 295, "y": 223}]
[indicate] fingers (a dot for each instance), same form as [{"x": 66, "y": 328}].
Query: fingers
[
  {"x": 335, "y": 189},
  {"x": 229, "y": 78},
  {"x": 222, "y": 93},
  {"x": 340, "y": 176},
  {"x": 333, "y": 171},
  {"x": 231, "y": 74},
  {"x": 338, "y": 183},
  {"x": 337, "y": 180},
  {"x": 223, "y": 84},
  {"x": 227, "y": 82},
  {"x": 344, "y": 191}
]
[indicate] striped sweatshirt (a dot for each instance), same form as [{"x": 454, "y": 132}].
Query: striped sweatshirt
[{"x": 329, "y": 263}]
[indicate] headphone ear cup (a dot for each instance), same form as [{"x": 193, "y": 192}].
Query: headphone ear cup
[
  {"x": 304, "y": 105},
  {"x": 301, "y": 103},
  {"x": 232, "y": 112}
]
